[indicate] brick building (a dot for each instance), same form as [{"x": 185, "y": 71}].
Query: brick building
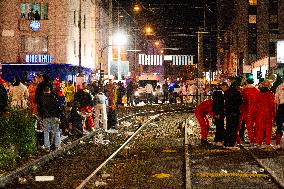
[
  {"x": 248, "y": 34},
  {"x": 44, "y": 35}
]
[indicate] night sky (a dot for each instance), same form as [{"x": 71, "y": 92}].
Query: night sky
[{"x": 176, "y": 23}]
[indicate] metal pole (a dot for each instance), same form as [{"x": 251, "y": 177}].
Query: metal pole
[{"x": 80, "y": 35}]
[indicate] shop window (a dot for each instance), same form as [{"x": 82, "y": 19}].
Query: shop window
[
  {"x": 34, "y": 11},
  {"x": 252, "y": 19},
  {"x": 33, "y": 44},
  {"x": 253, "y": 2}
]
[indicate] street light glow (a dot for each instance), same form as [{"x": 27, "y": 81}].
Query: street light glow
[
  {"x": 119, "y": 39},
  {"x": 136, "y": 8},
  {"x": 149, "y": 30}
]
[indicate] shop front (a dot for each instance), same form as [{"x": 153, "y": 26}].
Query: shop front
[{"x": 26, "y": 71}]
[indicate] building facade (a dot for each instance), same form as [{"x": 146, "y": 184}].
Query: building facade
[
  {"x": 248, "y": 39},
  {"x": 40, "y": 33}
]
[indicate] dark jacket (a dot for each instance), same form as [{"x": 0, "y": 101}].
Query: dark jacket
[
  {"x": 218, "y": 102},
  {"x": 233, "y": 100},
  {"x": 83, "y": 98},
  {"x": 3, "y": 98},
  {"x": 49, "y": 106}
]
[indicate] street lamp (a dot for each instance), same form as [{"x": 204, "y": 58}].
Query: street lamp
[{"x": 119, "y": 39}]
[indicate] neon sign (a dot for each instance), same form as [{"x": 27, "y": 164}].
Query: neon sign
[
  {"x": 35, "y": 25},
  {"x": 38, "y": 58}
]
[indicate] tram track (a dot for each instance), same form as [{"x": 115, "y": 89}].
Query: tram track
[
  {"x": 36, "y": 170},
  {"x": 152, "y": 151},
  {"x": 215, "y": 167}
]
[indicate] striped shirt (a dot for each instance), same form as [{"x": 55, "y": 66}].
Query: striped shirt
[{"x": 279, "y": 95}]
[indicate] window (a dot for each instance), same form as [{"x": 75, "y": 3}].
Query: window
[
  {"x": 84, "y": 23},
  {"x": 252, "y": 44},
  {"x": 33, "y": 44},
  {"x": 34, "y": 11},
  {"x": 252, "y": 28},
  {"x": 75, "y": 48},
  {"x": 252, "y": 19},
  {"x": 272, "y": 47},
  {"x": 273, "y": 18},
  {"x": 252, "y": 10},
  {"x": 273, "y": 7},
  {"x": 74, "y": 16},
  {"x": 253, "y": 2},
  {"x": 273, "y": 27}
]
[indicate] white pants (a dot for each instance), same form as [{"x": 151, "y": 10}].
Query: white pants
[{"x": 101, "y": 115}]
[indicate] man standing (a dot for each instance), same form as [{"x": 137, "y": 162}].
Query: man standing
[
  {"x": 201, "y": 111},
  {"x": 100, "y": 110},
  {"x": 149, "y": 93},
  {"x": 233, "y": 101},
  {"x": 279, "y": 100},
  {"x": 218, "y": 110},
  {"x": 49, "y": 111}
]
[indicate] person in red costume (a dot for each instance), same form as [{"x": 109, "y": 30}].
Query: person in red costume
[
  {"x": 248, "y": 109},
  {"x": 201, "y": 111},
  {"x": 266, "y": 109}
]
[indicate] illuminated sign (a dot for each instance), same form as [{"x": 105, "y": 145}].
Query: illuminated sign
[
  {"x": 178, "y": 60},
  {"x": 35, "y": 25},
  {"x": 280, "y": 51},
  {"x": 38, "y": 58}
]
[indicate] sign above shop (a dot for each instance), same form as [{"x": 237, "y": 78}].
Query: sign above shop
[
  {"x": 38, "y": 58},
  {"x": 35, "y": 25}
]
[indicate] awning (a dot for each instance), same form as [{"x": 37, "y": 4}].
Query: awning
[{"x": 9, "y": 71}]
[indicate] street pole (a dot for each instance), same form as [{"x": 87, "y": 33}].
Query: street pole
[{"x": 80, "y": 36}]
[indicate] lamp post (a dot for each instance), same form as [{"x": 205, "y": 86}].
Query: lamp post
[{"x": 120, "y": 39}]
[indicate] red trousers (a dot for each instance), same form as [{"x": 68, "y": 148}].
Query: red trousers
[
  {"x": 89, "y": 120},
  {"x": 204, "y": 125},
  {"x": 261, "y": 127},
  {"x": 250, "y": 123}
]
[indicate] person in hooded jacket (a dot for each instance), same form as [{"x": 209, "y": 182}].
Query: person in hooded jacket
[
  {"x": 218, "y": 110},
  {"x": 233, "y": 101},
  {"x": 266, "y": 107},
  {"x": 50, "y": 113}
]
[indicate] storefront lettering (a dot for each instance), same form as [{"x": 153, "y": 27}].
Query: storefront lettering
[{"x": 38, "y": 58}]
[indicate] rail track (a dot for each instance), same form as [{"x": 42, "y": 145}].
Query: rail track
[
  {"x": 95, "y": 147},
  {"x": 151, "y": 150}
]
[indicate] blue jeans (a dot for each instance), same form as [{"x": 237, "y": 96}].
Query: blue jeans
[{"x": 51, "y": 125}]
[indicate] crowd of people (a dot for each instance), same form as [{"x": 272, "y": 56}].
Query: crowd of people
[
  {"x": 243, "y": 106},
  {"x": 61, "y": 109}
]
